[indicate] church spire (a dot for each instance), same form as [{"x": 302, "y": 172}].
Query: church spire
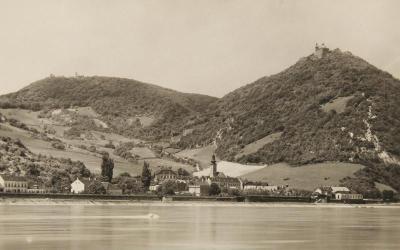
[{"x": 214, "y": 172}]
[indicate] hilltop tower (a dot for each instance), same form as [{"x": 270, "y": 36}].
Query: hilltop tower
[
  {"x": 320, "y": 50},
  {"x": 214, "y": 172}
]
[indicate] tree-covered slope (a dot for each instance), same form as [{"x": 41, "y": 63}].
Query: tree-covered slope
[{"x": 303, "y": 103}]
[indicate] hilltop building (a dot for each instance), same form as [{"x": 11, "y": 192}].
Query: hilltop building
[
  {"x": 320, "y": 51},
  {"x": 13, "y": 184},
  {"x": 36, "y": 189}
]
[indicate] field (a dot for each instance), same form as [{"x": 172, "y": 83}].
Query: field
[
  {"x": 201, "y": 155},
  {"x": 143, "y": 152},
  {"x": 338, "y": 104},
  {"x": 381, "y": 187},
  {"x": 307, "y": 177},
  {"x": 231, "y": 169},
  {"x": 255, "y": 146}
]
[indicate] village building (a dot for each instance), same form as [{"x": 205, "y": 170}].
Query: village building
[
  {"x": 345, "y": 196},
  {"x": 13, "y": 184},
  {"x": 36, "y": 189},
  {"x": 154, "y": 187},
  {"x": 165, "y": 174},
  {"x": 338, "y": 193},
  {"x": 258, "y": 186},
  {"x": 79, "y": 186},
  {"x": 199, "y": 188},
  {"x": 330, "y": 192},
  {"x": 225, "y": 182}
]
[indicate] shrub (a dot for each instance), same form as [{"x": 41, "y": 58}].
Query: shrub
[
  {"x": 96, "y": 188},
  {"x": 168, "y": 187},
  {"x": 214, "y": 189},
  {"x": 387, "y": 195},
  {"x": 109, "y": 145},
  {"x": 58, "y": 145}
]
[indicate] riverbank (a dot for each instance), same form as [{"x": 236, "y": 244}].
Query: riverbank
[
  {"x": 71, "y": 202},
  {"x": 150, "y": 197},
  {"x": 21, "y": 198}
]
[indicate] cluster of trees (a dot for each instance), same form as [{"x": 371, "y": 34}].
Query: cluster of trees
[
  {"x": 107, "y": 167},
  {"x": 146, "y": 176},
  {"x": 123, "y": 150}
]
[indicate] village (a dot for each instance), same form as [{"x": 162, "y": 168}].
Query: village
[{"x": 166, "y": 182}]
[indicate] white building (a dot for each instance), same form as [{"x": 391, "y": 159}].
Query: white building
[
  {"x": 13, "y": 184},
  {"x": 331, "y": 190},
  {"x": 259, "y": 186},
  {"x": 342, "y": 196},
  {"x": 199, "y": 188},
  {"x": 78, "y": 186}
]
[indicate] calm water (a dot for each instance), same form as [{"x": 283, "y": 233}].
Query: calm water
[{"x": 197, "y": 227}]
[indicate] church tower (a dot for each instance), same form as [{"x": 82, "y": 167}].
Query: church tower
[{"x": 214, "y": 172}]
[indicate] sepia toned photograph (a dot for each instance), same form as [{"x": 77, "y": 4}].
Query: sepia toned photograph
[{"x": 199, "y": 124}]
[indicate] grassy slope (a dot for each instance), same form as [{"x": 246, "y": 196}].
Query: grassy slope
[
  {"x": 307, "y": 177},
  {"x": 91, "y": 160},
  {"x": 201, "y": 155},
  {"x": 257, "y": 145},
  {"x": 338, "y": 104},
  {"x": 231, "y": 169}
]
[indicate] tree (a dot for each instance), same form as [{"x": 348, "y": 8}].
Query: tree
[
  {"x": 214, "y": 189},
  {"x": 387, "y": 195},
  {"x": 33, "y": 170},
  {"x": 96, "y": 188},
  {"x": 107, "y": 167},
  {"x": 125, "y": 174},
  {"x": 233, "y": 192},
  {"x": 183, "y": 172},
  {"x": 146, "y": 175},
  {"x": 168, "y": 187}
]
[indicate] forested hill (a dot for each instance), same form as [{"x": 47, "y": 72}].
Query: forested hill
[
  {"x": 335, "y": 108},
  {"x": 117, "y": 100}
]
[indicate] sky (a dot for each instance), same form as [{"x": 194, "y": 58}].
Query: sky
[{"x": 199, "y": 46}]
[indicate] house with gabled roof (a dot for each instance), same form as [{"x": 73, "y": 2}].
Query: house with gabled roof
[{"x": 79, "y": 186}]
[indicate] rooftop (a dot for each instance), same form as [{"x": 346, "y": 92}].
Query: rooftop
[{"x": 13, "y": 178}]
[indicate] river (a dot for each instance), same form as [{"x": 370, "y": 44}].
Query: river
[{"x": 197, "y": 226}]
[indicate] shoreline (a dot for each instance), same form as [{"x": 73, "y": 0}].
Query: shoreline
[{"x": 81, "y": 202}]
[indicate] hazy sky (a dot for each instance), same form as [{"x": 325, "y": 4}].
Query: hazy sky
[{"x": 209, "y": 47}]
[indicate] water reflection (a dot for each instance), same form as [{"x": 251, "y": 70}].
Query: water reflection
[{"x": 196, "y": 227}]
